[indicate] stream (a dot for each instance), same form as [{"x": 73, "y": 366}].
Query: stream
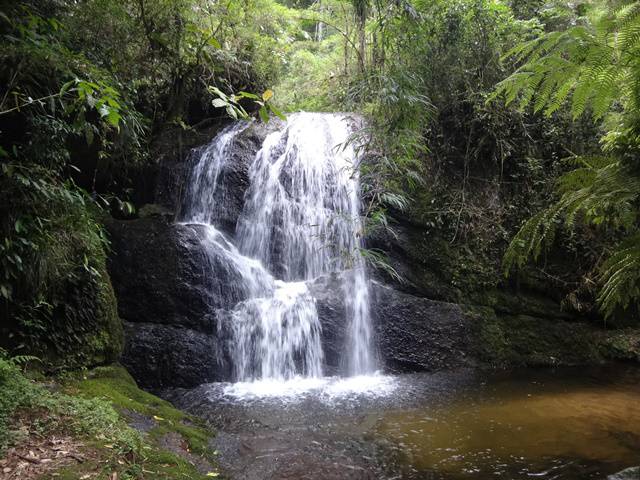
[{"x": 550, "y": 424}]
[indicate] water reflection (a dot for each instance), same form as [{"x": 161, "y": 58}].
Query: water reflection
[{"x": 562, "y": 424}]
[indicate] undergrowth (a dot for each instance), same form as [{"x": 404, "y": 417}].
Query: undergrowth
[{"x": 93, "y": 407}]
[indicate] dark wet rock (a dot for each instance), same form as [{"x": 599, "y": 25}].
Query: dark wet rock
[
  {"x": 178, "y": 153},
  {"x": 138, "y": 421},
  {"x": 160, "y": 356},
  {"x": 227, "y": 199},
  {"x": 411, "y": 333},
  {"x": 632, "y": 473},
  {"x": 158, "y": 275},
  {"x": 170, "y": 290},
  {"x": 416, "y": 334},
  {"x": 162, "y": 273},
  {"x": 329, "y": 295}
]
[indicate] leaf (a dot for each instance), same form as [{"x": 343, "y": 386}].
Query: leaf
[
  {"x": 252, "y": 96},
  {"x": 88, "y": 135},
  {"x": 213, "y": 474},
  {"x": 264, "y": 115},
  {"x": 218, "y": 92},
  {"x": 5, "y": 291},
  {"x": 232, "y": 112},
  {"x": 157, "y": 417},
  {"x": 267, "y": 95},
  {"x": 65, "y": 87},
  {"x": 114, "y": 118},
  {"x": 219, "y": 103},
  {"x": 214, "y": 43},
  {"x": 276, "y": 112}
]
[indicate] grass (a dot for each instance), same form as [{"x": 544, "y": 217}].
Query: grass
[{"x": 93, "y": 409}]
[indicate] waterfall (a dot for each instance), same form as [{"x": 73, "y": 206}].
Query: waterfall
[{"x": 300, "y": 220}]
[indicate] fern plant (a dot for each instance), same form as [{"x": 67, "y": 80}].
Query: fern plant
[{"x": 593, "y": 67}]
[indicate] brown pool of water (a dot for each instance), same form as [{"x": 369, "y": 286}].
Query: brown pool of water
[{"x": 535, "y": 424}]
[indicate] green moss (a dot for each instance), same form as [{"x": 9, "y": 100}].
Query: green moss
[
  {"x": 621, "y": 345},
  {"x": 114, "y": 384},
  {"x": 62, "y": 307},
  {"x": 522, "y": 340},
  {"x": 93, "y": 408}
]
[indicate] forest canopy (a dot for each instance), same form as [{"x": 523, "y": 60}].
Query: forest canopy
[{"x": 500, "y": 128}]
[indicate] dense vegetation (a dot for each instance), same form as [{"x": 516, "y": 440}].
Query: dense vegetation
[{"x": 504, "y": 135}]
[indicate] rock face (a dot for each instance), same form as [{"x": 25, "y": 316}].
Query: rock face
[
  {"x": 176, "y": 160},
  {"x": 416, "y": 334},
  {"x": 169, "y": 288},
  {"x": 412, "y": 333},
  {"x": 159, "y": 356},
  {"x": 327, "y": 290},
  {"x": 165, "y": 298},
  {"x": 156, "y": 269}
]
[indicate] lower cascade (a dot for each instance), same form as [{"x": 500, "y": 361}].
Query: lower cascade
[{"x": 300, "y": 220}]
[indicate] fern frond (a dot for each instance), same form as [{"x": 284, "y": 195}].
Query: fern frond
[
  {"x": 620, "y": 277},
  {"x": 590, "y": 65}
]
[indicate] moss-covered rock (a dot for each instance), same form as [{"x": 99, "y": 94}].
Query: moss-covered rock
[
  {"x": 60, "y": 304},
  {"x": 522, "y": 340},
  {"x": 96, "y": 418}
]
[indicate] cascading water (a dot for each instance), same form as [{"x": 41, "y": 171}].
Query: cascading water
[{"x": 300, "y": 220}]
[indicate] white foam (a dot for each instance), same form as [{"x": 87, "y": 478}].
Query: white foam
[{"x": 326, "y": 388}]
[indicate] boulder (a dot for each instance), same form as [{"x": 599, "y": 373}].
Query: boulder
[
  {"x": 411, "y": 333},
  {"x": 157, "y": 272},
  {"x": 418, "y": 334},
  {"x": 160, "y": 356}
]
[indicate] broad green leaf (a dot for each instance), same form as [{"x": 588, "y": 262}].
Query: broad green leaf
[
  {"x": 65, "y": 87},
  {"x": 114, "y": 118},
  {"x": 264, "y": 114},
  {"x": 253, "y": 96},
  {"x": 276, "y": 112}
]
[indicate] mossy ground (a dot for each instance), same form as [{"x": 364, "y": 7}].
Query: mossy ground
[{"x": 91, "y": 414}]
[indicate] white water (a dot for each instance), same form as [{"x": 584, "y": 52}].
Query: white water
[{"x": 301, "y": 219}]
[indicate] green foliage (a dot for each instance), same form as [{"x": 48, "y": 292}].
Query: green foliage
[
  {"x": 15, "y": 391},
  {"x": 235, "y": 110},
  {"x": 83, "y": 85},
  {"x": 91, "y": 407},
  {"x": 595, "y": 65},
  {"x": 54, "y": 281}
]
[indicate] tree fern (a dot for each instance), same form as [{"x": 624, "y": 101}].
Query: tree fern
[
  {"x": 595, "y": 67},
  {"x": 604, "y": 193},
  {"x": 591, "y": 60},
  {"x": 619, "y": 277}
]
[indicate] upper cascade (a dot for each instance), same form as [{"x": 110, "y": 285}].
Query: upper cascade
[{"x": 300, "y": 219}]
